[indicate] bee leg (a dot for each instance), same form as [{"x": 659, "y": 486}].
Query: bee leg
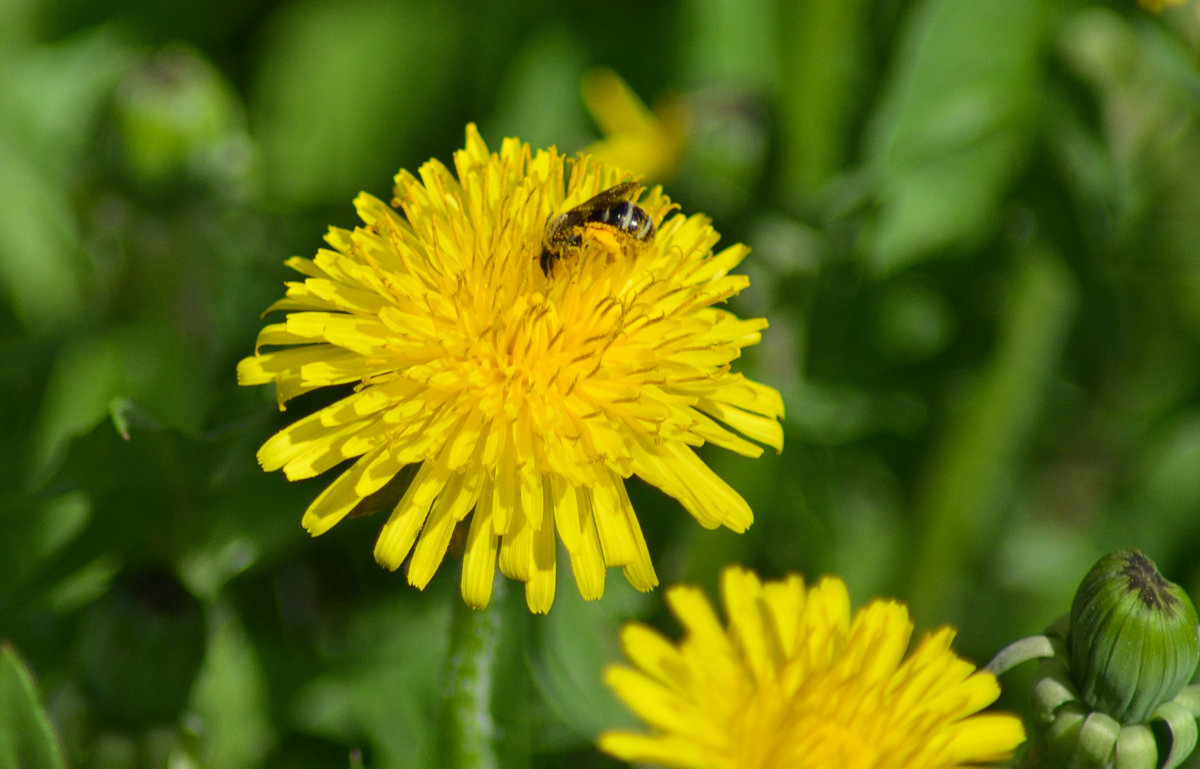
[{"x": 547, "y": 262}]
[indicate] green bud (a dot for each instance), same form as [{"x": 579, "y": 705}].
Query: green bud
[{"x": 1133, "y": 637}]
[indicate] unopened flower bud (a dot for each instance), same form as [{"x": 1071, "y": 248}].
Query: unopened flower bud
[{"x": 1133, "y": 637}]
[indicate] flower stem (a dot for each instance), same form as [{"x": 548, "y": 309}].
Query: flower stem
[
  {"x": 468, "y": 729},
  {"x": 987, "y": 434}
]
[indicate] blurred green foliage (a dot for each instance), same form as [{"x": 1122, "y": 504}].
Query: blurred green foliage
[{"x": 976, "y": 234}]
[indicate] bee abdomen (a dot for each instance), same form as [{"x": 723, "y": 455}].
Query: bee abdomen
[{"x": 626, "y": 217}]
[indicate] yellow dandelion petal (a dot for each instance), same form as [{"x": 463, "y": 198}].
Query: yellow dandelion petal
[
  {"x": 650, "y": 143},
  {"x": 793, "y": 680},
  {"x": 987, "y": 737},
  {"x": 665, "y": 751},
  {"x": 479, "y": 558},
  {"x": 456, "y": 500},
  {"x": 407, "y": 519},
  {"x": 616, "y": 540},
  {"x": 567, "y": 518},
  {"x": 639, "y": 571},
  {"x": 529, "y": 486},
  {"x": 654, "y": 654},
  {"x": 692, "y": 609},
  {"x": 335, "y": 502},
  {"x": 517, "y": 396},
  {"x": 743, "y": 605},
  {"x": 587, "y": 565},
  {"x": 517, "y": 550},
  {"x": 657, "y": 705},
  {"x": 785, "y": 602},
  {"x": 539, "y": 588}
]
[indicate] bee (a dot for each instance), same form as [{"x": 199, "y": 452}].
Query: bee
[{"x": 611, "y": 216}]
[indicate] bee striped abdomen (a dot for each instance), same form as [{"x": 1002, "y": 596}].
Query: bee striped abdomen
[{"x": 626, "y": 217}]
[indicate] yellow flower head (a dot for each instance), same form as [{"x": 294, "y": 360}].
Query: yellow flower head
[
  {"x": 794, "y": 682},
  {"x": 651, "y": 143},
  {"x": 521, "y": 398}
]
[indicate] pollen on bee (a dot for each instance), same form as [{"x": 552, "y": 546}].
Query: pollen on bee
[{"x": 607, "y": 240}]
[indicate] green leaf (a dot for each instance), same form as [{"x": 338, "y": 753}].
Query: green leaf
[
  {"x": 1167, "y": 480},
  {"x": 987, "y": 434},
  {"x": 824, "y": 69},
  {"x": 382, "y": 691},
  {"x": 140, "y": 649},
  {"x": 576, "y": 641},
  {"x": 87, "y": 376},
  {"x": 231, "y": 696},
  {"x": 953, "y": 126},
  {"x": 147, "y": 498},
  {"x": 730, "y": 42},
  {"x": 98, "y": 376},
  {"x": 40, "y": 275},
  {"x": 342, "y": 87},
  {"x": 539, "y": 99},
  {"x": 35, "y": 528},
  {"x": 27, "y": 740},
  {"x": 51, "y": 97}
]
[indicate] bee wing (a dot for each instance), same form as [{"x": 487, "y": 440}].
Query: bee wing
[{"x": 611, "y": 196}]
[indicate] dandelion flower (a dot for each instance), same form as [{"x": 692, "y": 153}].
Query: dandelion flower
[
  {"x": 651, "y": 143},
  {"x": 519, "y": 400},
  {"x": 794, "y": 682}
]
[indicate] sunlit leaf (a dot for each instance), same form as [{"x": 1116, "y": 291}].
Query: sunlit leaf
[
  {"x": 26, "y": 737},
  {"x": 954, "y": 125},
  {"x": 340, "y": 89}
]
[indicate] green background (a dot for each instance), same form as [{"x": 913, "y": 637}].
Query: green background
[{"x": 975, "y": 232}]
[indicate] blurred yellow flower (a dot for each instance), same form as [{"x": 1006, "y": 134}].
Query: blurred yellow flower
[
  {"x": 523, "y": 400},
  {"x": 1157, "y": 6},
  {"x": 648, "y": 143},
  {"x": 794, "y": 682}
]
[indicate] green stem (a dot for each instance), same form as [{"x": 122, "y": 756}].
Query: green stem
[
  {"x": 468, "y": 729},
  {"x": 960, "y": 503}
]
